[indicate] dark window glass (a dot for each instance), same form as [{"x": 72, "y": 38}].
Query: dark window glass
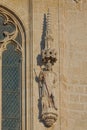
[{"x": 11, "y": 89}]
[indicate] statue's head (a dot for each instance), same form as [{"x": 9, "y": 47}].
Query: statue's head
[{"x": 49, "y": 66}]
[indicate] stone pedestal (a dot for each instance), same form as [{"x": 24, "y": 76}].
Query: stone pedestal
[{"x": 49, "y": 117}]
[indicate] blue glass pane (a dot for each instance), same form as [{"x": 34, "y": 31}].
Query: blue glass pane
[
  {"x": 11, "y": 77},
  {"x": 9, "y": 124},
  {"x": 11, "y": 89},
  {"x": 11, "y": 57},
  {"x": 11, "y": 106}
]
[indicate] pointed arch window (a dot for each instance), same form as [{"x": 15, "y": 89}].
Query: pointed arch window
[{"x": 12, "y": 71}]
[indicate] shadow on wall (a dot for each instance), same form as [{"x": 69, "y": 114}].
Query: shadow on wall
[
  {"x": 42, "y": 43},
  {"x": 39, "y": 63}
]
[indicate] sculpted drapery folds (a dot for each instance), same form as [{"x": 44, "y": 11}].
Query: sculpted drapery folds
[{"x": 47, "y": 84}]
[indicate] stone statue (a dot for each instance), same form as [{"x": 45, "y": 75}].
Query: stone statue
[{"x": 47, "y": 82}]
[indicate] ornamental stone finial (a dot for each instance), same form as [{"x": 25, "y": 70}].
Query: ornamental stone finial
[
  {"x": 48, "y": 37},
  {"x": 48, "y": 53}
]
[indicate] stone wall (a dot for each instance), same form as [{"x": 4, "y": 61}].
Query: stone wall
[{"x": 73, "y": 51}]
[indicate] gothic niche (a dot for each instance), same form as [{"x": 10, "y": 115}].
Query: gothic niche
[{"x": 47, "y": 79}]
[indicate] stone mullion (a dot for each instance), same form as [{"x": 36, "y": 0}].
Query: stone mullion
[{"x": 23, "y": 93}]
